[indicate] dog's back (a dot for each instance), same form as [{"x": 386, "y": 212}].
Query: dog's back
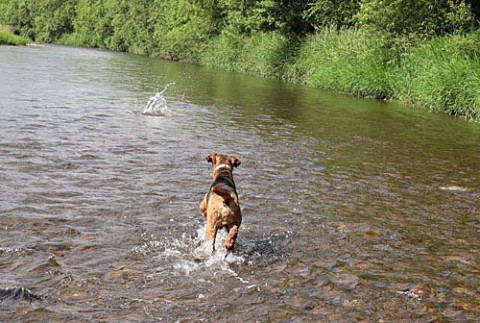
[{"x": 224, "y": 186}]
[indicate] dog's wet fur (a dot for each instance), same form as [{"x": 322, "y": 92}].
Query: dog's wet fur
[{"x": 220, "y": 206}]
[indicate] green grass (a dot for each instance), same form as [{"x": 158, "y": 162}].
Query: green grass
[
  {"x": 268, "y": 55},
  {"x": 7, "y": 37},
  {"x": 72, "y": 40},
  {"x": 262, "y": 54}
]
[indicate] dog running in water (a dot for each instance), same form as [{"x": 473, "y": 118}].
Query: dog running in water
[{"x": 220, "y": 206}]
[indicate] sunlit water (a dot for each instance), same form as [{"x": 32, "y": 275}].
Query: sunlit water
[{"x": 352, "y": 209}]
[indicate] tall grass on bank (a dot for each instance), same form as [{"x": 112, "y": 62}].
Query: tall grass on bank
[
  {"x": 222, "y": 51},
  {"x": 347, "y": 61},
  {"x": 73, "y": 39},
  {"x": 268, "y": 55},
  {"x": 443, "y": 75},
  {"x": 9, "y": 38}
]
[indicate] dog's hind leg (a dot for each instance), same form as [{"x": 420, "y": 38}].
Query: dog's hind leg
[
  {"x": 211, "y": 235},
  {"x": 229, "y": 243}
]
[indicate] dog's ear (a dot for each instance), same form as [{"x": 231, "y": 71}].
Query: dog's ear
[
  {"x": 234, "y": 161},
  {"x": 209, "y": 158}
]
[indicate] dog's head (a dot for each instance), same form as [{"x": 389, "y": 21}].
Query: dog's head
[{"x": 220, "y": 161}]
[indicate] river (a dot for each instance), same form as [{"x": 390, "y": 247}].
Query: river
[{"x": 353, "y": 210}]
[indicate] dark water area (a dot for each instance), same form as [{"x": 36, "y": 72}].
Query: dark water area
[{"x": 353, "y": 210}]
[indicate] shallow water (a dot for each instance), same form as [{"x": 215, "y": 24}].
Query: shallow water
[{"x": 352, "y": 209}]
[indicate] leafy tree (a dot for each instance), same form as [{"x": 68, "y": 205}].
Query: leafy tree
[
  {"x": 53, "y": 18},
  {"x": 416, "y": 17},
  {"x": 181, "y": 28},
  {"x": 249, "y": 16},
  {"x": 475, "y": 8},
  {"x": 339, "y": 13},
  {"x": 19, "y": 15},
  {"x": 93, "y": 22},
  {"x": 141, "y": 25}
]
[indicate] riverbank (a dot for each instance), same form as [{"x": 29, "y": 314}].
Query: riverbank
[
  {"x": 7, "y": 37},
  {"x": 441, "y": 74}
]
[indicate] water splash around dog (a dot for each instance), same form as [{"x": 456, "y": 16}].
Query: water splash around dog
[
  {"x": 194, "y": 252},
  {"x": 190, "y": 257}
]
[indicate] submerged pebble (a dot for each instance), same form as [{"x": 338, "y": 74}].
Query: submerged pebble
[{"x": 345, "y": 281}]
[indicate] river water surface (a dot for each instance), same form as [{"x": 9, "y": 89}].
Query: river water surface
[{"x": 353, "y": 210}]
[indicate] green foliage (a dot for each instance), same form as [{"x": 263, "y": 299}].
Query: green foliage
[
  {"x": 73, "y": 39},
  {"x": 442, "y": 74},
  {"x": 271, "y": 55},
  {"x": 125, "y": 26},
  {"x": 119, "y": 25},
  {"x": 19, "y": 15},
  {"x": 44, "y": 21},
  {"x": 53, "y": 18},
  {"x": 93, "y": 23},
  {"x": 251, "y": 16},
  {"x": 223, "y": 51},
  {"x": 181, "y": 28},
  {"x": 420, "y": 18},
  {"x": 326, "y": 13}
]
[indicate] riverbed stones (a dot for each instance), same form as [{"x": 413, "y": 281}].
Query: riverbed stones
[
  {"x": 345, "y": 281},
  {"x": 418, "y": 292}
]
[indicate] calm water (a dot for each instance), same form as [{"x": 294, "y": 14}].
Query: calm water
[{"x": 352, "y": 209}]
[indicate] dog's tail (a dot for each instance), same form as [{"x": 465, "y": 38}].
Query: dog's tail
[{"x": 226, "y": 192}]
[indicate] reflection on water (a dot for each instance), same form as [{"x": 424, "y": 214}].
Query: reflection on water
[{"x": 352, "y": 209}]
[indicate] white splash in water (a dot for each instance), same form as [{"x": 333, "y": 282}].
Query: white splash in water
[
  {"x": 157, "y": 104},
  {"x": 454, "y": 188},
  {"x": 194, "y": 256},
  {"x": 221, "y": 255}
]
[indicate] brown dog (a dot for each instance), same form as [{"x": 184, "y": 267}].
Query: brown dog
[{"x": 220, "y": 205}]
